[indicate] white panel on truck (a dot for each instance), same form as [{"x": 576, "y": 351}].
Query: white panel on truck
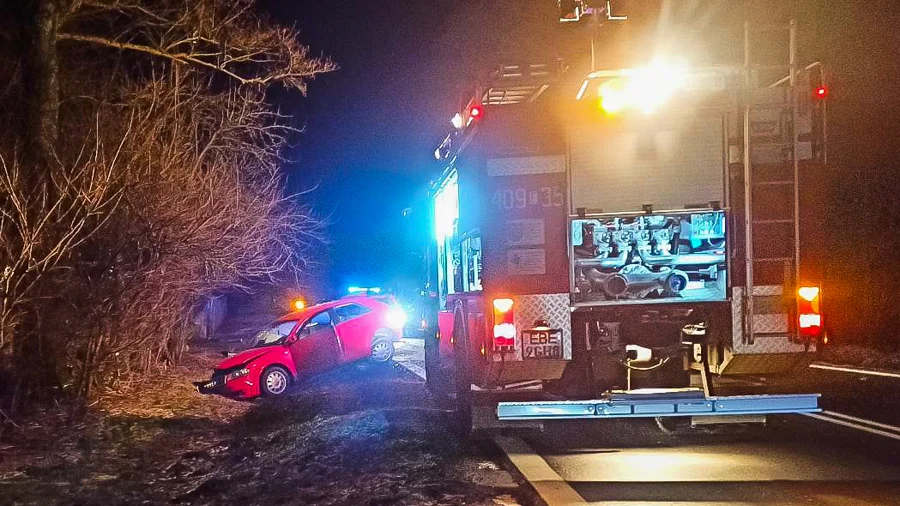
[{"x": 670, "y": 161}]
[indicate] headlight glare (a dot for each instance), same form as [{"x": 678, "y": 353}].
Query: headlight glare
[
  {"x": 240, "y": 373},
  {"x": 396, "y": 317}
]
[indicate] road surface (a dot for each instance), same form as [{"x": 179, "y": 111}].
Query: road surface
[{"x": 791, "y": 460}]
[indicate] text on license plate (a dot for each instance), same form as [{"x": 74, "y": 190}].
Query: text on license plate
[{"x": 542, "y": 343}]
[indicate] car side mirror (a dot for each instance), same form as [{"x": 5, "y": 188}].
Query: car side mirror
[{"x": 300, "y": 334}]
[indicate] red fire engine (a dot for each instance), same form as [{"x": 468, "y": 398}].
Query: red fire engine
[{"x": 621, "y": 243}]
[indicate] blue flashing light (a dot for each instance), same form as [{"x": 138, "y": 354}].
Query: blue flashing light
[{"x": 363, "y": 289}]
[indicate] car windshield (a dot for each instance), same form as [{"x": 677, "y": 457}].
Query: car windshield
[{"x": 274, "y": 335}]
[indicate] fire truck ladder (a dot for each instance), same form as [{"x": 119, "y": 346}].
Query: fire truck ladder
[
  {"x": 516, "y": 83},
  {"x": 771, "y": 190}
]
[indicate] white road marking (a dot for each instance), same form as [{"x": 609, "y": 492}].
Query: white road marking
[
  {"x": 854, "y": 370},
  {"x": 554, "y": 490},
  {"x": 857, "y": 426},
  {"x": 863, "y": 421}
]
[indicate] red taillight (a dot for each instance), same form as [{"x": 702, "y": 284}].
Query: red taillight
[
  {"x": 821, "y": 92},
  {"x": 476, "y": 112},
  {"x": 809, "y": 311},
  {"x": 504, "y": 325}
]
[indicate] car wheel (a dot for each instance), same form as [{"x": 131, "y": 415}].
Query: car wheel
[
  {"x": 274, "y": 381},
  {"x": 382, "y": 350}
]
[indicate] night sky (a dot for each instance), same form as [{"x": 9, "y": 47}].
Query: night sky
[{"x": 372, "y": 126}]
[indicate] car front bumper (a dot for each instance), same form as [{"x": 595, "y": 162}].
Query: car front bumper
[{"x": 239, "y": 388}]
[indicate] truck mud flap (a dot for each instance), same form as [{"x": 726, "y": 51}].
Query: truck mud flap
[{"x": 655, "y": 406}]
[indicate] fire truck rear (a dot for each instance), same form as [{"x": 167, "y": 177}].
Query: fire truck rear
[{"x": 625, "y": 243}]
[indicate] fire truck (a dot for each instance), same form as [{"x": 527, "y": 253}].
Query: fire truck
[{"x": 632, "y": 242}]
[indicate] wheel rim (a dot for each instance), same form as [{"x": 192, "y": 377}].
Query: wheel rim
[
  {"x": 381, "y": 351},
  {"x": 276, "y": 382}
]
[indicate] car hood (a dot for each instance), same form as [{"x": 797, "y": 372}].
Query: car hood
[{"x": 247, "y": 356}]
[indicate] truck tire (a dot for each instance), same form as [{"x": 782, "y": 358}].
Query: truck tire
[
  {"x": 433, "y": 377},
  {"x": 462, "y": 379},
  {"x": 461, "y": 376},
  {"x": 462, "y": 417}
]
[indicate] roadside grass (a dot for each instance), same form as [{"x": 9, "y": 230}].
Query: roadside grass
[{"x": 360, "y": 435}]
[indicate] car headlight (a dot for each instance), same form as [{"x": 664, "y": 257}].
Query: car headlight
[
  {"x": 396, "y": 317},
  {"x": 240, "y": 373}
]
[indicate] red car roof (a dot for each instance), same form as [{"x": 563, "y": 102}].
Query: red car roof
[{"x": 364, "y": 300}]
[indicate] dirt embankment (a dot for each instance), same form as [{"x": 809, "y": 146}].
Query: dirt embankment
[{"x": 360, "y": 435}]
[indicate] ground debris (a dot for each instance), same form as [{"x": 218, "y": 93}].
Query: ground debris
[{"x": 357, "y": 436}]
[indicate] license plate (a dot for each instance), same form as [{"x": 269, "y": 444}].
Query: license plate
[{"x": 538, "y": 344}]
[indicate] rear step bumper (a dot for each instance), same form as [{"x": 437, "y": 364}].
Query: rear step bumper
[{"x": 626, "y": 406}]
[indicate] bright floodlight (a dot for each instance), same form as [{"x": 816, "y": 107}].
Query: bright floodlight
[
  {"x": 613, "y": 96},
  {"x": 644, "y": 89}
]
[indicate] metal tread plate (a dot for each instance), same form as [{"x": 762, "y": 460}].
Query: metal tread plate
[{"x": 654, "y": 407}]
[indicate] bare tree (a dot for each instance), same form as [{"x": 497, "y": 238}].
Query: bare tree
[
  {"x": 225, "y": 37},
  {"x": 203, "y": 211},
  {"x": 164, "y": 190},
  {"x": 37, "y": 238}
]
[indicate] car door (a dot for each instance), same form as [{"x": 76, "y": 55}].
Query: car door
[
  {"x": 355, "y": 325},
  {"x": 314, "y": 347}
]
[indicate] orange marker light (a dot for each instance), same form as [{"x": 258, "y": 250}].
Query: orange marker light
[
  {"x": 808, "y": 293},
  {"x": 504, "y": 324},
  {"x": 503, "y": 305}
]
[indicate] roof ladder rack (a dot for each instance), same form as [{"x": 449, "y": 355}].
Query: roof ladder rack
[{"x": 764, "y": 227}]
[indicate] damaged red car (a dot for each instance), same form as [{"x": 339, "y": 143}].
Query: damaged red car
[{"x": 310, "y": 341}]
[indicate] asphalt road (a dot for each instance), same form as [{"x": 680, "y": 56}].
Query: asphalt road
[
  {"x": 792, "y": 460},
  {"x": 870, "y": 397}
]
